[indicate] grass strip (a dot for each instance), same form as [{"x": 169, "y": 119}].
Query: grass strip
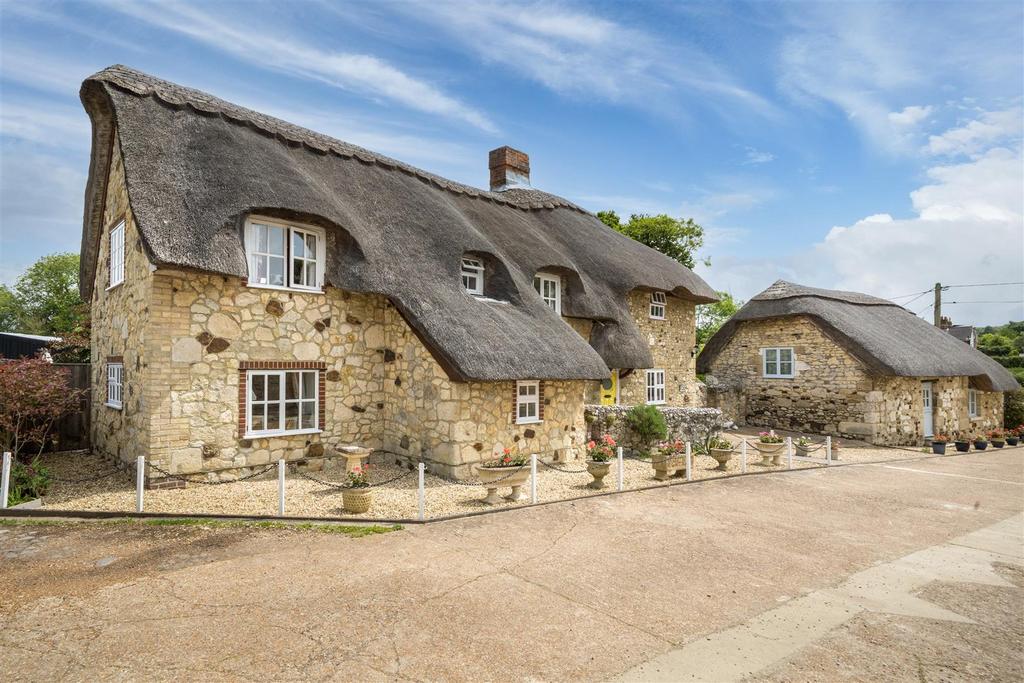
[{"x": 352, "y": 530}]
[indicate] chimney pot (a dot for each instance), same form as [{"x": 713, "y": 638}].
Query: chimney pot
[{"x": 509, "y": 168}]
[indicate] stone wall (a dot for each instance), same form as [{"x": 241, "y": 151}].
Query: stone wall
[
  {"x": 685, "y": 424},
  {"x": 896, "y": 409}
]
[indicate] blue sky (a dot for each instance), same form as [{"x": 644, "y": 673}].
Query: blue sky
[{"x": 868, "y": 146}]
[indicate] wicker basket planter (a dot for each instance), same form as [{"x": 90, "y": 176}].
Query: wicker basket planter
[
  {"x": 598, "y": 469},
  {"x": 771, "y": 453},
  {"x": 722, "y": 455},
  {"x": 492, "y": 478},
  {"x": 357, "y": 501}
]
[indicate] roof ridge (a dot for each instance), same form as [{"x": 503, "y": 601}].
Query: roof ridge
[{"x": 172, "y": 94}]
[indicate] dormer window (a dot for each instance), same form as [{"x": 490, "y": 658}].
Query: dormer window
[
  {"x": 657, "y": 305},
  {"x": 285, "y": 255},
  {"x": 473, "y": 275},
  {"x": 550, "y": 289}
]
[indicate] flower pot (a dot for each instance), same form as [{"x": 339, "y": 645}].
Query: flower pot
[
  {"x": 493, "y": 478},
  {"x": 357, "y": 500},
  {"x": 1012, "y": 440},
  {"x": 771, "y": 453},
  {"x": 803, "y": 451},
  {"x": 963, "y": 446},
  {"x": 998, "y": 443},
  {"x": 722, "y": 455},
  {"x": 665, "y": 466},
  {"x": 980, "y": 445},
  {"x": 598, "y": 470},
  {"x": 939, "y": 448}
]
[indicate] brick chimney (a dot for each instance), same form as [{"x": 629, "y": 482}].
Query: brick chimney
[{"x": 509, "y": 168}]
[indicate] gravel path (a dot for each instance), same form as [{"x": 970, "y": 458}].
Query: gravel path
[{"x": 395, "y": 500}]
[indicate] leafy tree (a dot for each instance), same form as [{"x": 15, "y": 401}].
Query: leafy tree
[
  {"x": 678, "y": 239},
  {"x": 710, "y": 317},
  {"x": 35, "y": 394},
  {"x": 45, "y": 299},
  {"x": 993, "y": 344}
]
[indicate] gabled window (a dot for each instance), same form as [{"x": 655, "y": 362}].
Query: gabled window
[
  {"x": 655, "y": 387},
  {"x": 117, "y": 255},
  {"x": 657, "y": 305},
  {"x": 972, "y": 403},
  {"x": 285, "y": 256},
  {"x": 550, "y": 289},
  {"x": 778, "y": 362},
  {"x": 282, "y": 402},
  {"x": 527, "y": 402},
  {"x": 473, "y": 275},
  {"x": 115, "y": 384}
]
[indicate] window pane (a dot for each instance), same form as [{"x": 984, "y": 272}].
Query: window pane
[
  {"x": 771, "y": 355},
  {"x": 273, "y": 387},
  {"x": 786, "y": 355},
  {"x": 273, "y": 416},
  {"x": 309, "y": 385},
  {"x": 311, "y": 274},
  {"x": 297, "y": 271},
  {"x": 785, "y": 368},
  {"x": 291, "y": 415},
  {"x": 310, "y": 246},
  {"x": 298, "y": 245},
  {"x": 275, "y": 240},
  {"x": 260, "y": 268},
  {"x": 258, "y": 391},
  {"x": 276, "y": 270},
  {"x": 308, "y": 415},
  {"x": 258, "y": 423},
  {"x": 291, "y": 385},
  {"x": 261, "y": 238}
]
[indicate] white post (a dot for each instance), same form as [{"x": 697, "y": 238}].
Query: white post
[
  {"x": 743, "y": 457},
  {"x": 620, "y": 468},
  {"x": 280, "y": 487},
  {"x": 789, "y": 452},
  {"x": 533, "y": 478},
  {"x": 5, "y": 482},
  {"x": 828, "y": 450},
  {"x": 689, "y": 458},
  {"x": 422, "y": 497},
  {"x": 140, "y": 481}
]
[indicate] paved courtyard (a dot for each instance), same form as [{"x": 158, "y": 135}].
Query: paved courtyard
[{"x": 897, "y": 571}]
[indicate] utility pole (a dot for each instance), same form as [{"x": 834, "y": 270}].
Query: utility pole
[{"x": 938, "y": 304}]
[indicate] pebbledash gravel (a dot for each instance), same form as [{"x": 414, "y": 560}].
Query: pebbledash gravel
[{"x": 397, "y": 500}]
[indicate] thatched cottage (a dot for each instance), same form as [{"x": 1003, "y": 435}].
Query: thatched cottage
[
  {"x": 261, "y": 291},
  {"x": 849, "y": 364}
]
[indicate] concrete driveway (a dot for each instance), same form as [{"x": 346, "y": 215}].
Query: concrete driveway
[{"x": 905, "y": 571}]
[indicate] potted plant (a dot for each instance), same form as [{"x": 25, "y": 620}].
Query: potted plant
[
  {"x": 507, "y": 469},
  {"x": 962, "y": 442},
  {"x": 939, "y": 442},
  {"x": 803, "y": 446},
  {"x": 669, "y": 458},
  {"x": 769, "y": 444},
  {"x": 721, "y": 450},
  {"x": 1013, "y": 435},
  {"x": 599, "y": 460},
  {"x": 357, "y": 496},
  {"x": 980, "y": 442},
  {"x": 997, "y": 437}
]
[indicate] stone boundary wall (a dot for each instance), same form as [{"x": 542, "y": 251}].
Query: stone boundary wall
[{"x": 686, "y": 424}]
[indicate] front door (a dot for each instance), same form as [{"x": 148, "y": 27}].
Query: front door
[
  {"x": 610, "y": 389},
  {"x": 928, "y": 416}
]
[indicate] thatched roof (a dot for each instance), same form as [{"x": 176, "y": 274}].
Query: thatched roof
[
  {"x": 196, "y": 166},
  {"x": 887, "y": 338}
]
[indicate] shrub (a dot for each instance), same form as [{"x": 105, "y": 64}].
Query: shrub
[
  {"x": 647, "y": 423},
  {"x": 1013, "y": 408},
  {"x": 28, "y": 482},
  {"x": 35, "y": 394}
]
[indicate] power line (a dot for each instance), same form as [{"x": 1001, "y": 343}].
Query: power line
[
  {"x": 925, "y": 309},
  {"x": 986, "y": 284},
  {"x": 907, "y": 303},
  {"x": 903, "y": 296},
  {"x": 1019, "y": 301}
]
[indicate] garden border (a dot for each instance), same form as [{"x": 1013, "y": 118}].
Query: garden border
[{"x": 111, "y": 514}]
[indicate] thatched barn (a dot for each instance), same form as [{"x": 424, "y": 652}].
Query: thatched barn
[
  {"x": 849, "y": 364},
  {"x": 262, "y": 291}
]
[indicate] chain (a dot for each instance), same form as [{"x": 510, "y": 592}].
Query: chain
[
  {"x": 458, "y": 482},
  {"x": 552, "y": 466},
  {"x": 212, "y": 483},
  {"x": 336, "y": 485}
]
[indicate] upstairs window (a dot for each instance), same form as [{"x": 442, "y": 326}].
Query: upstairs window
[
  {"x": 473, "y": 275},
  {"x": 972, "y": 403},
  {"x": 115, "y": 384},
  {"x": 550, "y": 289},
  {"x": 657, "y": 305},
  {"x": 655, "y": 387},
  {"x": 778, "y": 362},
  {"x": 285, "y": 256},
  {"x": 527, "y": 402},
  {"x": 117, "y": 255}
]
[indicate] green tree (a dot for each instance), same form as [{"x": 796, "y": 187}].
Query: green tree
[
  {"x": 45, "y": 299},
  {"x": 678, "y": 239},
  {"x": 710, "y": 317}
]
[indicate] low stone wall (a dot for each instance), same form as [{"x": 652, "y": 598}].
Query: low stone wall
[{"x": 687, "y": 424}]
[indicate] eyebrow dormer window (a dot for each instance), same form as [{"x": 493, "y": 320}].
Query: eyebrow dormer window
[
  {"x": 550, "y": 289},
  {"x": 285, "y": 256},
  {"x": 473, "y": 276},
  {"x": 657, "y": 305}
]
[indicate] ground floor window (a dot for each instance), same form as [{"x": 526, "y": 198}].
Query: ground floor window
[
  {"x": 115, "y": 384},
  {"x": 655, "y": 387},
  {"x": 282, "y": 401},
  {"x": 527, "y": 402},
  {"x": 972, "y": 403},
  {"x": 778, "y": 362}
]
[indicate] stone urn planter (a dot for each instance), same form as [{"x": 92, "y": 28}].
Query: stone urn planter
[
  {"x": 492, "y": 478},
  {"x": 666, "y": 466},
  {"x": 357, "y": 500},
  {"x": 722, "y": 455},
  {"x": 771, "y": 453},
  {"x": 598, "y": 469},
  {"x": 962, "y": 446}
]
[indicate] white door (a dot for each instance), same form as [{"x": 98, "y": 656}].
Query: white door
[{"x": 926, "y": 394}]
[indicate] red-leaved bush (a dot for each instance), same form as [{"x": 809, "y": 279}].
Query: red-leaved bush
[{"x": 34, "y": 394}]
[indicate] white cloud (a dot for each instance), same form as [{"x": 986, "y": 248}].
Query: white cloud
[
  {"x": 992, "y": 127},
  {"x": 362, "y": 73},
  {"x": 910, "y": 116},
  {"x": 756, "y": 156},
  {"x": 44, "y": 122}
]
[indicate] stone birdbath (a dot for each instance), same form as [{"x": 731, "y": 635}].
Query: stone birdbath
[
  {"x": 354, "y": 456},
  {"x": 598, "y": 470},
  {"x": 492, "y": 478}
]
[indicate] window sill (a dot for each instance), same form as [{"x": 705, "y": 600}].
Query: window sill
[
  {"x": 656, "y": 403},
  {"x": 656, "y": 318},
  {"x": 267, "y": 435},
  {"x": 115, "y": 406},
  {"x": 301, "y": 290},
  {"x": 778, "y": 376},
  {"x": 114, "y": 286},
  {"x": 529, "y": 422}
]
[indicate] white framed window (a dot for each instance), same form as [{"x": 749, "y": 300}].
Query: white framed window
[
  {"x": 281, "y": 402},
  {"x": 473, "y": 275},
  {"x": 117, "y": 255},
  {"x": 115, "y": 385},
  {"x": 779, "y": 362},
  {"x": 527, "y": 402},
  {"x": 285, "y": 256},
  {"x": 972, "y": 403},
  {"x": 655, "y": 387},
  {"x": 658, "y": 305},
  {"x": 550, "y": 289}
]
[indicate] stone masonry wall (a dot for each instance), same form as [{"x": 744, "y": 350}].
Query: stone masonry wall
[
  {"x": 685, "y": 424},
  {"x": 896, "y": 408}
]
